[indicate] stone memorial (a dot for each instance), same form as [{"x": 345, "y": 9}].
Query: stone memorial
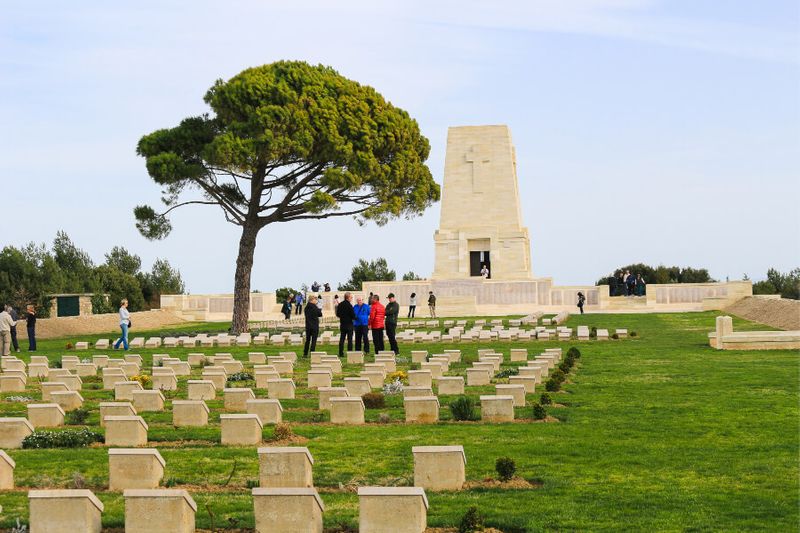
[
  {"x": 439, "y": 467},
  {"x": 62, "y": 511},
  {"x": 134, "y": 468},
  {"x": 151, "y": 510},
  {"x": 285, "y": 467}
]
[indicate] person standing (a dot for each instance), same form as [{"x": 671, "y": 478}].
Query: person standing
[
  {"x": 15, "y": 318},
  {"x": 412, "y": 304},
  {"x": 432, "y": 304},
  {"x": 124, "y": 324},
  {"x": 361, "y": 325},
  {"x": 346, "y": 317},
  {"x": 5, "y": 331},
  {"x": 30, "y": 319},
  {"x": 312, "y": 313},
  {"x": 377, "y": 321},
  {"x": 392, "y": 310},
  {"x": 298, "y": 303},
  {"x": 485, "y": 272},
  {"x": 286, "y": 309},
  {"x": 335, "y": 301},
  {"x": 630, "y": 282},
  {"x": 320, "y": 303},
  {"x": 640, "y": 285},
  {"x": 581, "y": 301},
  {"x": 315, "y": 287}
]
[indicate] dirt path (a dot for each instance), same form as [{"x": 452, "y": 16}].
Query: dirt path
[{"x": 778, "y": 313}]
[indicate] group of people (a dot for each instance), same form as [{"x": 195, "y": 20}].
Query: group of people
[
  {"x": 630, "y": 285},
  {"x": 8, "y": 329},
  {"x": 356, "y": 320}
]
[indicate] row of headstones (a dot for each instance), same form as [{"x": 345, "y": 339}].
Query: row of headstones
[{"x": 285, "y": 501}]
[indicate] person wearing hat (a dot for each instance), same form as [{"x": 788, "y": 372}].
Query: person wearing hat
[{"x": 392, "y": 310}]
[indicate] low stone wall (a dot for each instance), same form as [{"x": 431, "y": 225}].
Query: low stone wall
[{"x": 67, "y": 326}]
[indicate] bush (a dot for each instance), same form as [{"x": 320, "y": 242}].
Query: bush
[
  {"x": 282, "y": 432},
  {"x": 507, "y": 372},
  {"x": 552, "y": 385},
  {"x": 593, "y": 333},
  {"x": 633, "y": 334},
  {"x": 539, "y": 412},
  {"x": 506, "y": 467},
  {"x": 384, "y": 418},
  {"x": 143, "y": 380},
  {"x": 374, "y": 400},
  {"x": 574, "y": 353},
  {"x": 545, "y": 399},
  {"x": 399, "y": 375},
  {"x": 70, "y": 438},
  {"x": 615, "y": 336},
  {"x": 240, "y": 376},
  {"x": 566, "y": 365},
  {"x": 558, "y": 375},
  {"x": 395, "y": 387},
  {"x": 463, "y": 408},
  {"x": 471, "y": 521},
  {"x": 77, "y": 417}
]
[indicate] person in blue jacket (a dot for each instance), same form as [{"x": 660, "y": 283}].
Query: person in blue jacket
[{"x": 361, "y": 324}]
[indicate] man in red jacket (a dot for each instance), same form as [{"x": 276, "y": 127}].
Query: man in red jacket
[{"x": 377, "y": 316}]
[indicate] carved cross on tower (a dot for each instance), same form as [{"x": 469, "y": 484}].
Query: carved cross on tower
[{"x": 478, "y": 155}]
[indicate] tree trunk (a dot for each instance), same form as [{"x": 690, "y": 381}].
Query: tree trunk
[{"x": 241, "y": 284}]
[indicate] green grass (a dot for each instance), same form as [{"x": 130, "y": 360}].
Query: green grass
[{"x": 655, "y": 433}]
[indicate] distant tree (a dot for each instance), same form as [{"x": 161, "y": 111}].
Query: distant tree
[
  {"x": 411, "y": 276},
  {"x": 288, "y": 141},
  {"x": 118, "y": 285},
  {"x": 283, "y": 293},
  {"x": 787, "y": 285},
  {"x": 123, "y": 260},
  {"x": 660, "y": 274},
  {"x": 764, "y": 287},
  {"x": 28, "y": 276},
  {"x": 377, "y": 270},
  {"x": 75, "y": 264}
]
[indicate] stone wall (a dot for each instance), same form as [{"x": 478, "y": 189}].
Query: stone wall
[{"x": 66, "y": 326}]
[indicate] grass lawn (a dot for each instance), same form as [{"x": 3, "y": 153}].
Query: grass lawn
[{"x": 659, "y": 433}]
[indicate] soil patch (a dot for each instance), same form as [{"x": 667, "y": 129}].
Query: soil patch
[
  {"x": 516, "y": 483},
  {"x": 778, "y": 313}
]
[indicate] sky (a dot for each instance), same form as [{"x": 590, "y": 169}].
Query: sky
[{"x": 655, "y": 131}]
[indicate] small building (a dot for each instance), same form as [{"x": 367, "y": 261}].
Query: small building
[{"x": 71, "y": 304}]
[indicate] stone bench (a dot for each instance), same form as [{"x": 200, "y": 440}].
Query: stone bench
[
  {"x": 280, "y": 389},
  {"x": 57, "y": 511},
  {"x": 69, "y": 400},
  {"x": 7, "y": 466},
  {"x": 347, "y": 410},
  {"x": 357, "y": 387},
  {"x": 148, "y": 400},
  {"x": 134, "y": 468},
  {"x": 450, "y": 385},
  {"x": 125, "y": 431},
  {"x": 45, "y": 415},
  {"x": 115, "y": 409},
  {"x": 422, "y": 409},
  {"x": 478, "y": 376},
  {"x": 268, "y": 411},
  {"x": 241, "y": 430},
  {"x": 189, "y": 413},
  {"x": 151, "y": 510},
  {"x": 236, "y": 398},
  {"x": 497, "y": 408},
  {"x": 287, "y": 510},
  {"x": 516, "y": 391},
  {"x": 392, "y": 509},
  {"x": 326, "y": 393},
  {"x": 285, "y": 467}
]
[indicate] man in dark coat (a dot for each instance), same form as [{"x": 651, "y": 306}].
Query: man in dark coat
[
  {"x": 312, "y": 313},
  {"x": 346, "y": 316},
  {"x": 392, "y": 310}
]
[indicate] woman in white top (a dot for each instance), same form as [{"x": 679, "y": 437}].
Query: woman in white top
[
  {"x": 124, "y": 323},
  {"x": 412, "y": 304}
]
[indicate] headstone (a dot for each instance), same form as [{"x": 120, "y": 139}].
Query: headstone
[
  {"x": 241, "y": 430},
  {"x": 134, "y": 468},
  {"x": 150, "y": 510},
  {"x": 57, "y": 511},
  {"x": 439, "y": 467},
  {"x": 285, "y": 467},
  {"x": 392, "y": 509},
  {"x": 287, "y": 510}
]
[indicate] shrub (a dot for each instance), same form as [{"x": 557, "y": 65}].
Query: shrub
[
  {"x": 69, "y": 346},
  {"x": 143, "y": 380},
  {"x": 384, "y": 418},
  {"x": 240, "y": 376},
  {"x": 252, "y": 483},
  {"x": 282, "y": 432},
  {"x": 399, "y": 375},
  {"x": 593, "y": 333},
  {"x": 395, "y": 387},
  {"x": 552, "y": 385},
  {"x": 70, "y": 438},
  {"x": 574, "y": 353},
  {"x": 565, "y": 365},
  {"x": 374, "y": 400},
  {"x": 545, "y": 399},
  {"x": 77, "y": 417},
  {"x": 558, "y": 375},
  {"x": 633, "y": 334},
  {"x": 506, "y": 467},
  {"x": 463, "y": 408},
  {"x": 615, "y": 336},
  {"x": 471, "y": 521},
  {"x": 539, "y": 412},
  {"x": 507, "y": 372},
  {"x": 78, "y": 481}
]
